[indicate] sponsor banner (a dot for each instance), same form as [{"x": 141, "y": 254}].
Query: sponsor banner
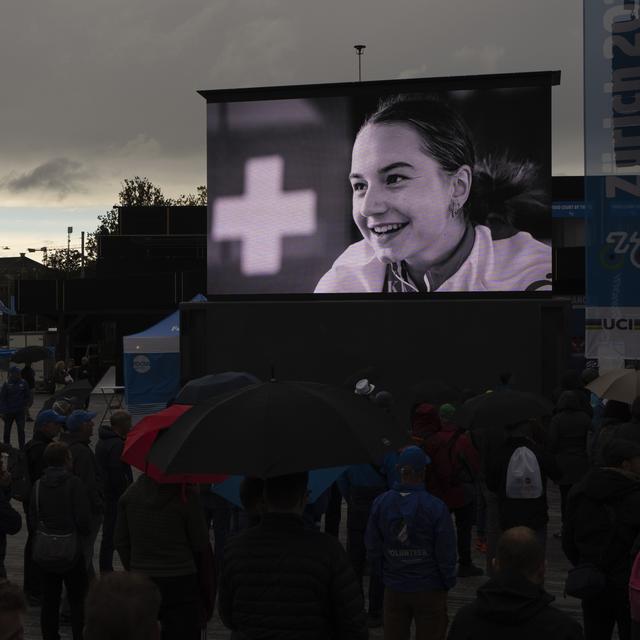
[
  {"x": 612, "y": 331},
  {"x": 568, "y": 209},
  {"x": 612, "y": 176}
]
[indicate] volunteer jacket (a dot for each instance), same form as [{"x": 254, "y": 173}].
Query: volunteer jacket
[
  {"x": 410, "y": 540},
  {"x": 510, "y": 264}
]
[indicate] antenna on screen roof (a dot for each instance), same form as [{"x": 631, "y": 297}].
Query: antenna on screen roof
[{"x": 359, "y": 52}]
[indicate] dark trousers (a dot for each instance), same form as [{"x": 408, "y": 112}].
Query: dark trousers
[
  {"x": 564, "y": 493},
  {"x": 8, "y": 423},
  {"x": 427, "y": 608},
  {"x": 217, "y": 515},
  {"x": 357, "y": 517},
  {"x": 180, "y": 609},
  {"x": 77, "y": 583},
  {"x": 464, "y": 517},
  {"x": 602, "y": 613},
  {"x": 32, "y": 579},
  {"x": 108, "y": 529},
  {"x": 334, "y": 512}
]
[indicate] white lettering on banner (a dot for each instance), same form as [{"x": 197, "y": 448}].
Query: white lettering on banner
[
  {"x": 141, "y": 364},
  {"x": 263, "y": 216}
]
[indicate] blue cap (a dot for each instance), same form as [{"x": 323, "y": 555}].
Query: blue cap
[
  {"x": 413, "y": 457},
  {"x": 49, "y": 415},
  {"x": 14, "y": 369},
  {"x": 79, "y": 417}
]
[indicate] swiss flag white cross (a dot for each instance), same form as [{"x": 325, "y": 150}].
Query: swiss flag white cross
[{"x": 263, "y": 215}]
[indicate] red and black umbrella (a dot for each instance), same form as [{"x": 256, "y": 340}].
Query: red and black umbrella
[{"x": 141, "y": 438}]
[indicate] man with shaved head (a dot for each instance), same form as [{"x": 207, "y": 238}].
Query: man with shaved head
[{"x": 514, "y": 604}]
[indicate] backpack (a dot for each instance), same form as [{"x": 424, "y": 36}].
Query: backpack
[
  {"x": 54, "y": 551},
  {"x": 634, "y": 589},
  {"x": 524, "y": 480}
]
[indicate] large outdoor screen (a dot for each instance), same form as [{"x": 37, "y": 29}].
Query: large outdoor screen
[{"x": 403, "y": 187}]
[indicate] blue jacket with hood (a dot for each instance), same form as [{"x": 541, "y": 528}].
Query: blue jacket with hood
[{"x": 411, "y": 541}]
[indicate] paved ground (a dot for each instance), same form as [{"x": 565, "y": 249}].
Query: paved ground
[{"x": 463, "y": 592}]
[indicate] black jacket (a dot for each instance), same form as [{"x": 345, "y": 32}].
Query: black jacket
[
  {"x": 62, "y": 502},
  {"x": 567, "y": 438},
  {"x": 606, "y": 501},
  {"x": 531, "y": 513},
  {"x": 282, "y": 581},
  {"x": 116, "y": 475},
  {"x": 509, "y": 606},
  {"x": 34, "y": 453},
  {"x": 10, "y": 522},
  {"x": 86, "y": 468}
]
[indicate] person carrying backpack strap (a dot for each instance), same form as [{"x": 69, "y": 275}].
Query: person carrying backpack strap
[
  {"x": 58, "y": 512},
  {"x": 518, "y": 476}
]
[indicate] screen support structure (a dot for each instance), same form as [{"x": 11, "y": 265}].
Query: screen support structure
[{"x": 359, "y": 53}]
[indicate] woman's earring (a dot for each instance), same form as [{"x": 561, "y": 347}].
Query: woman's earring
[{"x": 453, "y": 208}]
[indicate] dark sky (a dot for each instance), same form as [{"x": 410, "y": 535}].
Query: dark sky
[{"x": 93, "y": 91}]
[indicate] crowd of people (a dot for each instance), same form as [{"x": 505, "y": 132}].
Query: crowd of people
[{"x": 278, "y": 568}]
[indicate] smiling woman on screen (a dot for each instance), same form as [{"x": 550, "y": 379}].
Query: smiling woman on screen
[{"x": 422, "y": 202}]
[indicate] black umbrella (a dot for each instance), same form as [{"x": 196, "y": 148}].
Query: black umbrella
[
  {"x": 501, "y": 408},
  {"x": 76, "y": 393},
  {"x": 275, "y": 428},
  {"x": 33, "y": 353},
  {"x": 214, "y": 384}
]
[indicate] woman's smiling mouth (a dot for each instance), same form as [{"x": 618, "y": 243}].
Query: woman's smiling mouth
[{"x": 385, "y": 229}]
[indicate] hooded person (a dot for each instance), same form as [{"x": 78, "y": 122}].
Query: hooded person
[
  {"x": 78, "y": 437},
  {"x": 425, "y": 421},
  {"x": 615, "y": 414},
  {"x": 514, "y": 604},
  {"x": 572, "y": 380},
  {"x": 59, "y": 502},
  {"x": 115, "y": 475},
  {"x": 602, "y": 521},
  {"x": 451, "y": 476},
  {"x": 567, "y": 440},
  {"x": 630, "y": 430}
]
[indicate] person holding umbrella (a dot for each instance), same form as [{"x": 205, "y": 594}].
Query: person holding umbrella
[
  {"x": 160, "y": 532},
  {"x": 280, "y": 576}
]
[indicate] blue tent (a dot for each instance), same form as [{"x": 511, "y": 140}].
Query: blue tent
[{"x": 152, "y": 365}]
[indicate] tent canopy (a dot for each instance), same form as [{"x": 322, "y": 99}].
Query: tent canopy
[{"x": 152, "y": 364}]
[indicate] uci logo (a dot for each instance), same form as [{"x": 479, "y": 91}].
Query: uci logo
[
  {"x": 622, "y": 324},
  {"x": 141, "y": 364}
]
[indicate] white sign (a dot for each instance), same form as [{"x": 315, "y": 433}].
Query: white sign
[{"x": 263, "y": 216}]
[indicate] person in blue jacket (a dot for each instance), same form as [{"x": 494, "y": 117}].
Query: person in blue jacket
[
  {"x": 411, "y": 543},
  {"x": 14, "y": 398}
]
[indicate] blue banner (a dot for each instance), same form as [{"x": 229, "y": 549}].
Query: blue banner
[{"x": 612, "y": 177}]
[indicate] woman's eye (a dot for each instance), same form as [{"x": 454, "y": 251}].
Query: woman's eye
[
  {"x": 395, "y": 178},
  {"x": 359, "y": 186}
]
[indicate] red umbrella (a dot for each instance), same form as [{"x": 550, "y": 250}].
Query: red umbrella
[{"x": 143, "y": 435}]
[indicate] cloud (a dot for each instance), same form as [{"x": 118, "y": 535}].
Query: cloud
[
  {"x": 486, "y": 57},
  {"x": 60, "y": 176}
]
